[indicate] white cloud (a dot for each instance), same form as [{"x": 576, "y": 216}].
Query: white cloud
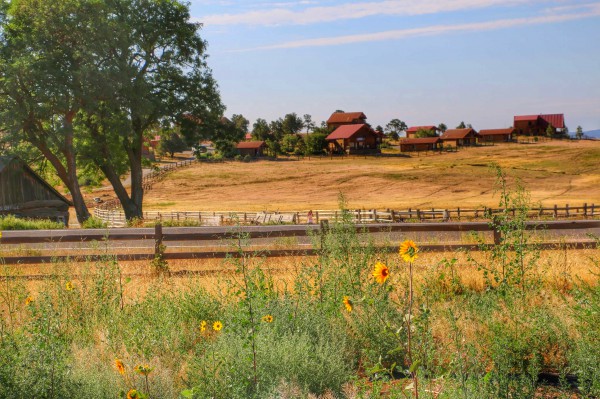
[
  {"x": 285, "y": 16},
  {"x": 593, "y": 11}
]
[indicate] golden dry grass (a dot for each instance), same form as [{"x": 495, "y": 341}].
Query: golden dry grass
[{"x": 554, "y": 172}]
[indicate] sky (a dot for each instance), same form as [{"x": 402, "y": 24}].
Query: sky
[{"x": 421, "y": 61}]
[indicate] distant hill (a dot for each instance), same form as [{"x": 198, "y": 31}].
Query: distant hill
[{"x": 593, "y": 133}]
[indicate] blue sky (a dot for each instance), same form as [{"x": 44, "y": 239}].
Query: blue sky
[{"x": 422, "y": 61}]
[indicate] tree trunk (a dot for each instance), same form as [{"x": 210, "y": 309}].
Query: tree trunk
[
  {"x": 115, "y": 180},
  {"x": 134, "y": 153}
]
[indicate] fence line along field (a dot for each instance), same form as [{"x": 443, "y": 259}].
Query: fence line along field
[{"x": 555, "y": 172}]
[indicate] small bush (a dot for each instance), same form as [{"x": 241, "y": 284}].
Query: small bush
[{"x": 94, "y": 223}]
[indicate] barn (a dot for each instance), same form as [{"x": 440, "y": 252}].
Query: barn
[
  {"x": 338, "y": 119},
  {"x": 252, "y": 148},
  {"x": 460, "y": 137},
  {"x": 411, "y": 132},
  {"x": 23, "y": 193},
  {"x": 354, "y": 139},
  {"x": 496, "y": 135},
  {"x": 420, "y": 144},
  {"x": 536, "y": 125}
]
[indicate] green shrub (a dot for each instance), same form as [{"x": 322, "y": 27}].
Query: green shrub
[
  {"x": 10, "y": 222},
  {"x": 94, "y": 223}
]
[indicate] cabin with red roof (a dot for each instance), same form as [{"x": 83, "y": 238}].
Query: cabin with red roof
[
  {"x": 354, "y": 139},
  {"x": 252, "y": 148},
  {"x": 338, "y": 119},
  {"x": 420, "y": 144},
  {"x": 460, "y": 137},
  {"x": 496, "y": 135},
  {"x": 536, "y": 125},
  {"x": 411, "y": 132}
]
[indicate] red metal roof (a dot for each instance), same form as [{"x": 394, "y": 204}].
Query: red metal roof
[
  {"x": 414, "y": 129},
  {"x": 250, "y": 145},
  {"x": 492, "y": 132},
  {"x": 347, "y": 131},
  {"x": 423, "y": 140},
  {"x": 452, "y": 134},
  {"x": 526, "y": 118},
  {"x": 345, "y": 117},
  {"x": 556, "y": 120}
]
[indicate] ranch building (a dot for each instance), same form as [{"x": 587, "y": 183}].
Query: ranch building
[
  {"x": 411, "y": 132},
  {"x": 252, "y": 148},
  {"x": 420, "y": 144},
  {"x": 460, "y": 137},
  {"x": 24, "y": 194},
  {"x": 536, "y": 125},
  {"x": 354, "y": 139},
  {"x": 496, "y": 135},
  {"x": 338, "y": 119}
]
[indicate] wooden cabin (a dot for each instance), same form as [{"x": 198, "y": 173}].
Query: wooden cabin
[
  {"x": 536, "y": 125},
  {"x": 354, "y": 139},
  {"x": 496, "y": 135},
  {"x": 252, "y": 148},
  {"x": 420, "y": 144},
  {"x": 338, "y": 119},
  {"x": 24, "y": 194},
  {"x": 411, "y": 132},
  {"x": 460, "y": 137}
]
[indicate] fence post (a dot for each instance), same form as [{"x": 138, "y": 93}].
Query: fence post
[
  {"x": 375, "y": 215},
  {"x": 555, "y": 211},
  {"x": 393, "y": 215},
  {"x": 458, "y": 213},
  {"x": 158, "y": 239},
  {"x": 585, "y": 210},
  {"x": 567, "y": 209},
  {"x": 497, "y": 234}
]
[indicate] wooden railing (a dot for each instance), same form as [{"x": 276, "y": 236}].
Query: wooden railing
[
  {"x": 116, "y": 218},
  {"x": 264, "y": 240}
]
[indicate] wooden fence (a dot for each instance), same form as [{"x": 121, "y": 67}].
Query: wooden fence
[
  {"x": 116, "y": 218},
  {"x": 160, "y": 238}
]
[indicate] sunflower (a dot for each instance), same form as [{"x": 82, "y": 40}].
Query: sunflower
[
  {"x": 143, "y": 369},
  {"x": 217, "y": 326},
  {"x": 408, "y": 251},
  {"x": 132, "y": 394},
  {"x": 203, "y": 326},
  {"x": 381, "y": 272},
  {"x": 347, "y": 303},
  {"x": 120, "y": 366},
  {"x": 69, "y": 286},
  {"x": 268, "y": 318},
  {"x": 28, "y": 300}
]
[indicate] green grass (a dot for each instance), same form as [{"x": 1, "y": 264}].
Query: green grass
[{"x": 13, "y": 223}]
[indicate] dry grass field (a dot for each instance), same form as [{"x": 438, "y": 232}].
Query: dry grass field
[{"x": 554, "y": 172}]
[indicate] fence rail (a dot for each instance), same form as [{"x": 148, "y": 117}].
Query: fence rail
[
  {"x": 161, "y": 237},
  {"x": 116, "y": 218}
]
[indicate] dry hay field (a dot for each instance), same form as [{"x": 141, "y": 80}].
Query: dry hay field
[{"x": 555, "y": 172}]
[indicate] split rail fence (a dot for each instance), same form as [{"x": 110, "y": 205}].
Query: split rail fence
[
  {"x": 116, "y": 218},
  {"x": 124, "y": 244}
]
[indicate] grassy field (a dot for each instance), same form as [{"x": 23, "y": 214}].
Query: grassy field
[{"x": 555, "y": 172}]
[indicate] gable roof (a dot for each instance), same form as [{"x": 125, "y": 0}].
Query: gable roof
[
  {"x": 452, "y": 134},
  {"x": 414, "y": 129},
  {"x": 492, "y": 132},
  {"x": 422, "y": 140},
  {"x": 347, "y": 131},
  {"x": 345, "y": 117},
  {"x": 5, "y": 161},
  {"x": 556, "y": 120},
  {"x": 526, "y": 118},
  {"x": 250, "y": 145}
]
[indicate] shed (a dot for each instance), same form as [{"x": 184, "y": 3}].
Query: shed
[
  {"x": 23, "y": 193},
  {"x": 354, "y": 139},
  {"x": 460, "y": 137},
  {"x": 252, "y": 148},
  {"x": 346, "y": 118},
  {"x": 420, "y": 144},
  {"x": 496, "y": 135},
  {"x": 411, "y": 132}
]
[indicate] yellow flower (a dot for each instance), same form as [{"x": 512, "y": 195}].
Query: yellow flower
[
  {"x": 143, "y": 369},
  {"x": 132, "y": 394},
  {"x": 268, "y": 318},
  {"x": 347, "y": 303},
  {"x": 120, "y": 366},
  {"x": 69, "y": 286},
  {"x": 408, "y": 250},
  {"x": 203, "y": 326},
  {"x": 381, "y": 272},
  {"x": 217, "y": 326},
  {"x": 28, "y": 300}
]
